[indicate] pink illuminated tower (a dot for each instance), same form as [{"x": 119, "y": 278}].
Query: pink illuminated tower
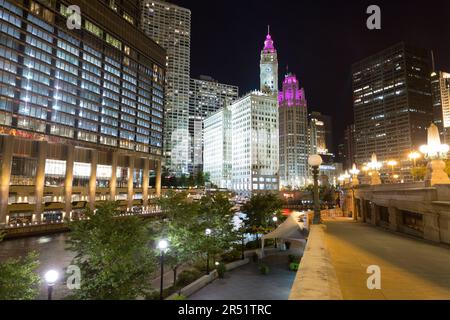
[
  {"x": 269, "y": 66},
  {"x": 293, "y": 133}
]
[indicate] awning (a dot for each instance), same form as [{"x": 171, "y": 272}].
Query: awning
[{"x": 290, "y": 229}]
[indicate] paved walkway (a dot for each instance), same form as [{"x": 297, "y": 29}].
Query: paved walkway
[
  {"x": 247, "y": 283},
  {"x": 411, "y": 269}
]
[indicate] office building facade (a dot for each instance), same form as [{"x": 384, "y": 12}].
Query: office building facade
[
  {"x": 293, "y": 134},
  {"x": 440, "y": 87},
  {"x": 255, "y": 143},
  {"x": 392, "y": 102},
  {"x": 206, "y": 96},
  {"x": 217, "y": 148},
  {"x": 81, "y": 111},
  {"x": 170, "y": 26}
]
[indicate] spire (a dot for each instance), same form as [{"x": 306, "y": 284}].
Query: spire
[{"x": 268, "y": 44}]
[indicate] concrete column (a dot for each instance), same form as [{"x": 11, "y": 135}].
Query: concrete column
[
  {"x": 93, "y": 179},
  {"x": 68, "y": 182},
  {"x": 431, "y": 226},
  {"x": 39, "y": 182},
  {"x": 393, "y": 218},
  {"x": 373, "y": 209},
  {"x": 158, "y": 178},
  {"x": 145, "y": 183},
  {"x": 113, "y": 181},
  {"x": 130, "y": 182},
  {"x": 7, "y": 153}
]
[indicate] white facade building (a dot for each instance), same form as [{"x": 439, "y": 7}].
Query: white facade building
[
  {"x": 254, "y": 135},
  {"x": 217, "y": 148},
  {"x": 206, "y": 96},
  {"x": 170, "y": 26},
  {"x": 254, "y": 125}
]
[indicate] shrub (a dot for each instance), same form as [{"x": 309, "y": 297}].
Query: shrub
[
  {"x": 293, "y": 266},
  {"x": 294, "y": 258},
  {"x": 187, "y": 277},
  {"x": 221, "y": 269},
  {"x": 180, "y": 297},
  {"x": 231, "y": 256},
  {"x": 264, "y": 269},
  {"x": 154, "y": 295}
]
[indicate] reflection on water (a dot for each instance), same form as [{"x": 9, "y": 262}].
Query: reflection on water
[{"x": 52, "y": 255}]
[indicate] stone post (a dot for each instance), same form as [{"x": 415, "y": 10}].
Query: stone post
[
  {"x": 431, "y": 226},
  {"x": 93, "y": 179},
  {"x": 145, "y": 183},
  {"x": 113, "y": 180},
  {"x": 393, "y": 218},
  {"x": 436, "y": 174},
  {"x": 7, "y": 154},
  {"x": 158, "y": 178},
  {"x": 373, "y": 209},
  {"x": 39, "y": 182},
  {"x": 130, "y": 182},
  {"x": 68, "y": 182}
]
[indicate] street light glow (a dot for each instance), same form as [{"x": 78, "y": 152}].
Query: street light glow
[
  {"x": 51, "y": 277},
  {"x": 163, "y": 245},
  {"x": 208, "y": 232}
]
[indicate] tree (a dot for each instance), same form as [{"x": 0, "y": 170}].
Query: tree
[
  {"x": 200, "y": 179},
  {"x": 18, "y": 277},
  {"x": 179, "y": 229},
  {"x": 113, "y": 254},
  {"x": 260, "y": 210},
  {"x": 217, "y": 214}
]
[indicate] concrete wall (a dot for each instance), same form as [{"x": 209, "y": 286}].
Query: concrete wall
[{"x": 316, "y": 278}]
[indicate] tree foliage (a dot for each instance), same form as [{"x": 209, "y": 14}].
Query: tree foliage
[
  {"x": 18, "y": 277},
  {"x": 260, "y": 210},
  {"x": 187, "y": 222},
  {"x": 113, "y": 254}
]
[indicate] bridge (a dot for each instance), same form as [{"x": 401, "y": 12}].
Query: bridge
[{"x": 398, "y": 235}]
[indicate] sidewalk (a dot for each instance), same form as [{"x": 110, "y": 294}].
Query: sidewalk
[{"x": 411, "y": 269}]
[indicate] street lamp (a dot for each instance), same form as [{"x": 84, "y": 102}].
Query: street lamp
[
  {"x": 435, "y": 153},
  {"x": 163, "y": 245},
  {"x": 315, "y": 161},
  {"x": 374, "y": 167},
  {"x": 51, "y": 277},
  {"x": 413, "y": 156},
  {"x": 207, "y": 233},
  {"x": 354, "y": 172}
]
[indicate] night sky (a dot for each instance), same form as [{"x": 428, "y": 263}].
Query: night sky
[{"x": 317, "y": 39}]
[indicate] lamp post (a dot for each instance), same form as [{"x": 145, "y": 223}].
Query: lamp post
[
  {"x": 315, "y": 161},
  {"x": 374, "y": 167},
  {"x": 413, "y": 156},
  {"x": 354, "y": 172},
  {"x": 392, "y": 164},
  {"x": 435, "y": 153},
  {"x": 162, "y": 246},
  {"x": 51, "y": 277},
  {"x": 207, "y": 233}
]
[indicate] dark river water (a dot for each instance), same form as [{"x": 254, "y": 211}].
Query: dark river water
[{"x": 52, "y": 255}]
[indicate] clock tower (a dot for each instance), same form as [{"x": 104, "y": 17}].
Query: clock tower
[{"x": 269, "y": 67}]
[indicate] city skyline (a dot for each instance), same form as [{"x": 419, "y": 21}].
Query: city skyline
[{"x": 326, "y": 44}]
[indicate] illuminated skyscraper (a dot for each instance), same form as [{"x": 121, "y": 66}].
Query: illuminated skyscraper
[
  {"x": 392, "y": 102},
  {"x": 254, "y": 136},
  {"x": 217, "y": 148},
  {"x": 269, "y": 67},
  {"x": 170, "y": 26},
  {"x": 293, "y": 128},
  {"x": 81, "y": 111},
  {"x": 440, "y": 86},
  {"x": 206, "y": 96}
]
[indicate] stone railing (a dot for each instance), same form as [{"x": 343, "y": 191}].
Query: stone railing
[
  {"x": 411, "y": 208},
  {"x": 316, "y": 278}
]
